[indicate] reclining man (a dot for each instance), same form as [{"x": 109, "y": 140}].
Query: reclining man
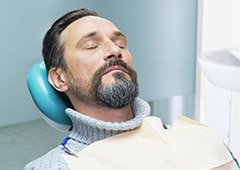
[{"x": 87, "y": 58}]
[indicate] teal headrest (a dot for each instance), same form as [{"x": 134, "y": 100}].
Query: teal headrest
[{"x": 51, "y": 103}]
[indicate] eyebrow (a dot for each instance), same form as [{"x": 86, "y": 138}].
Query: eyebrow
[
  {"x": 119, "y": 34},
  {"x": 94, "y": 33},
  {"x": 89, "y": 35}
]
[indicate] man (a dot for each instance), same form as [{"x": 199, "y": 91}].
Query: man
[{"x": 87, "y": 58}]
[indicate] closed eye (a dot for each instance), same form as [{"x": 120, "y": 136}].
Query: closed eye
[
  {"x": 121, "y": 44},
  {"x": 91, "y": 47}
]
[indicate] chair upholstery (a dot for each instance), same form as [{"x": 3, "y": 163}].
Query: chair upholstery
[{"x": 51, "y": 103}]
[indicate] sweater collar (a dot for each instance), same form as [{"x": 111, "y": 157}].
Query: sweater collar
[{"x": 88, "y": 130}]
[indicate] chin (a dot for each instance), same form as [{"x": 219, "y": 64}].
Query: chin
[{"x": 111, "y": 78}]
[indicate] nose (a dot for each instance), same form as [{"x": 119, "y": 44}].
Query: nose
[{"x": 112, "y": 51}]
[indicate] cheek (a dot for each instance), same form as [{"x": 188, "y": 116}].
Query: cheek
[
  {"x": 78, "y": 73},
  {"x": 130, "y": 63},
  {"x": 128, "y": 59},
  {"x": 82, "y": 66},
  {"x": 87, "y": 71}
]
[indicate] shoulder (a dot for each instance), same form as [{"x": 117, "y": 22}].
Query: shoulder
[{"x": 53, "y": 160}]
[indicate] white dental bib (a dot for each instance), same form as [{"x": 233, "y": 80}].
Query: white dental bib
[{"x": 188, "y": 145}]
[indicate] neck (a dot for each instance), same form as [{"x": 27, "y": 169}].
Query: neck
[
  {"x": 87, "y": 130},
  {"x": 105, "y": 113}
]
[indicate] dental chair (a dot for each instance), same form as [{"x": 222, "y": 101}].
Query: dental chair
[{"x": 50, "y": 102}]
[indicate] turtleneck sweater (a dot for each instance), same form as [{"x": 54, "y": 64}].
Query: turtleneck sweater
[{"x": 87, "y": 130}]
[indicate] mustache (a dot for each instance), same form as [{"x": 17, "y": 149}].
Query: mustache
[{"x": 116, "y": 62}]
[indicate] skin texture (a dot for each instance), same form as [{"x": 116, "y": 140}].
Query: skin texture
[{"x": 89, "y": 43}]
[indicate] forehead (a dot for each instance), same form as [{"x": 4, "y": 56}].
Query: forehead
[{"x": 88, "y": 24}]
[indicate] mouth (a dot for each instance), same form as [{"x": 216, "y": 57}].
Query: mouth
[{"x": 114, "y": 68}]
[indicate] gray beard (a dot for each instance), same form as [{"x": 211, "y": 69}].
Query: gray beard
[{"x": 118, "y": 95}]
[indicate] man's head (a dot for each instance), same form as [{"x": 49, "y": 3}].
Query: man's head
[{"x": 87, "y": 58}]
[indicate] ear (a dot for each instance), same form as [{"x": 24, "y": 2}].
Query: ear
[{"x": 57, "y": 79}]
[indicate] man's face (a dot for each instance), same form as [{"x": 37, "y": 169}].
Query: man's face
[{"x": 99, "y": 65}]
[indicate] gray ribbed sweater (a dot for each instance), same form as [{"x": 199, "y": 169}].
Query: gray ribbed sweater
[{"x": 85, "y": 131}]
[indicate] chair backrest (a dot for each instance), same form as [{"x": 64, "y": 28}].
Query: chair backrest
[{"x": 51, "y": 103}]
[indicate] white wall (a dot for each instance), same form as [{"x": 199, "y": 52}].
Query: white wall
[{"x": 219, "y": 29}]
